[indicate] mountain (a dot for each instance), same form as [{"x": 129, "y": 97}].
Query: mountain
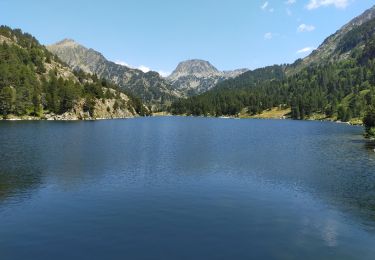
[
  {"x": 335, "y": 82},
  {"x": 35, "y": 84},
  {"x": 340, "y": 45},
  {"x": 198, "y": 76},
  {"x": 150, "y": 86}
]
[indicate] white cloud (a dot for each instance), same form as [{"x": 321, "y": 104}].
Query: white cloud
[
  {"x": 122, "y": 63},
  {"x": 289, "y": 3},
  {"x": 268, "y": 36},
  {"x": 164, "y": 73},
  {"x": 144, "y": 68},
  {"x": 314, "y": 4},
  {"x": 305, "y": 50},
  {"x": 305, "y": 28},
  {"x": 266, "y": 7}
]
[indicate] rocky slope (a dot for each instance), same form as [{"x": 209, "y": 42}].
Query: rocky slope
[
  {"x": 198, "y": 76},
  {"x": 103, "y": 109},
  {"x": 34, "y": 84},
  {"x": 150, "y": 86},
  {"x": 339, "y": 45}
]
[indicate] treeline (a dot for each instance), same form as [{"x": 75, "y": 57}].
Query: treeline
[
  {"x": 344, "y": 90},
  {"x": 28, "y": 88},
  {"x": 256, "y": 90}
]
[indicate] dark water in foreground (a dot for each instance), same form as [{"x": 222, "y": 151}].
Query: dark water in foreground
[{"x": 185, "y": 188}]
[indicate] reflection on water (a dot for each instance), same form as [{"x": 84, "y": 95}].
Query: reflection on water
[
  {"x": 18, "y": 184},
  {"x": 189, "y": 188},
  {"x": 330, "y": 233},
  {"x": 370, "y": 145},
  {"x": 20, "y": 163}
]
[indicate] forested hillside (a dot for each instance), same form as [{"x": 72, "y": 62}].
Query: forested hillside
[
  {"x": 340, "y": 89},
  {"x": 34, "y": 82}
]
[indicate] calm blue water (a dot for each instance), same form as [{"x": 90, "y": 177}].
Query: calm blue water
[{"x": 186, "y": 188}]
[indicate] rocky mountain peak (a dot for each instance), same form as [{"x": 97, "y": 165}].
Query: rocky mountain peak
[
  {"x": 67, "y": 42},
  {"x": 197, "y": 76},
  {"x": 197, "y": 68}
]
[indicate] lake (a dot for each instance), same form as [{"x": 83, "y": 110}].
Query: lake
[{"x": 186, "y": 188}]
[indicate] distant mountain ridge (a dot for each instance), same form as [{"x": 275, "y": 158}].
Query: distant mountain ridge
[
  {"x": 150, "y": 87},
  {"x": 197, "y": 76},
  {"x": 337, "y": 46},
  {"x": 189, "y": 78}
]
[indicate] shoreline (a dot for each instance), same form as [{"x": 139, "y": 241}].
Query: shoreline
[
  {"x": 266, "y": 118},
  {"x": 59, "y": 118},
  {"x": 52, "y": 119}
]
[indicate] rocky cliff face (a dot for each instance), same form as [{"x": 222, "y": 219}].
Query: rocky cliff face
[
  {"x": 197, "y": 76},
  {"x": 110, "y": 108},
  {"x": 150, "y": 86}
]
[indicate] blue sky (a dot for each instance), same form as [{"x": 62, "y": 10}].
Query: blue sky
[{"x": 159, "y": 34}]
